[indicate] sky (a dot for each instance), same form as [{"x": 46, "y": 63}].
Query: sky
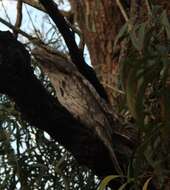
[
  {"x": 36, "y": 16},
  {"x": 10, "y": 6}
]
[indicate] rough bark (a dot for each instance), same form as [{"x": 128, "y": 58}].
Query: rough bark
[
  {"x": 100, "y": 22},
  {"x": 78, "y": 109},
  {"x": 92, "y": 122},
  {"x": 87, "y": 72},
  {"x": 37, "y": 105},
  {"x": 78, "y": 96},
  {"x": 75, "y": 53},
  {"x": 45, "y": 111}
]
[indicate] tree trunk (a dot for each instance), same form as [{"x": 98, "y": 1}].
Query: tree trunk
[
  {"x": 78, "y": 117},
  {"x": 100, "y": 22}
]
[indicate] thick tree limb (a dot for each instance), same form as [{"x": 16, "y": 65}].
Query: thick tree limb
[
  {"x": 78, "y": 96},
  {"x": 45, "y": 111},
  {"x": 100, "y": 21},
  {"x": 75, "y": 53}
]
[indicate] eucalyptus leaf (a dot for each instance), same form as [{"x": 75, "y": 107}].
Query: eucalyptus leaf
[
  {"x": 122, "y": 187},
  {"x": 121, "y": 34},
  {"x": 138, "y": 35},
  {"x": 165, "y": 23},
  {"x": 146, "y": 184},
  {"x": 106, "y": 181}
]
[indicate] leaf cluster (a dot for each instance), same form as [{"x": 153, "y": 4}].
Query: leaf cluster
[{"x": 144, "y": 77}]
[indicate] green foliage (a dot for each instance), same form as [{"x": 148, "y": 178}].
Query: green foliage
[
  {"x": 146, "y": 184},
  {"x": 31, "y": 159},
  {"x": 144, "y": 76},
  {"x": 106, "y": 181}
]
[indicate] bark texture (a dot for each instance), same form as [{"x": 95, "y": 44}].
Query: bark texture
[
  {"x": 77, "y": 95},
  {"x": 75, "y": 53},
  {"x": 37, "y": 105},
  {"x": 100, "y": 22},
  {"x": 44, "y": 111}
]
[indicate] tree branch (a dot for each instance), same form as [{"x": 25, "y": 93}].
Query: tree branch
[
  {"x": 38, "y": 6},
  {"x": 19, "y": 17},
  {"x": 45, "y": 111},
  {"x": 77, "y": 95},
  {"x": 75, "y": 53}
]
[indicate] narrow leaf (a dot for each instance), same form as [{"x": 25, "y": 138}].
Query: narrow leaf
[
  {"x": 165, "y": 23},
  {"x": 122, "y": 187},
  {"x": 146, "y": 184},
  {"x": 121, "y": 33},
  {"x": 106, "y": 180}
]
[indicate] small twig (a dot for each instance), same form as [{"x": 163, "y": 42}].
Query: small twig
[
  {"x": 114, "y": 89},
  {"x": 32, "y": 23},
  {"x": 148, "y": 7},
  {"x": 5, "y": 11},
  {"x": 32, "y": 39},
  {"x": 122, "y": 10},
  {"x": 19, "y": 18},
  {"x": 37, "y": 5}
]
